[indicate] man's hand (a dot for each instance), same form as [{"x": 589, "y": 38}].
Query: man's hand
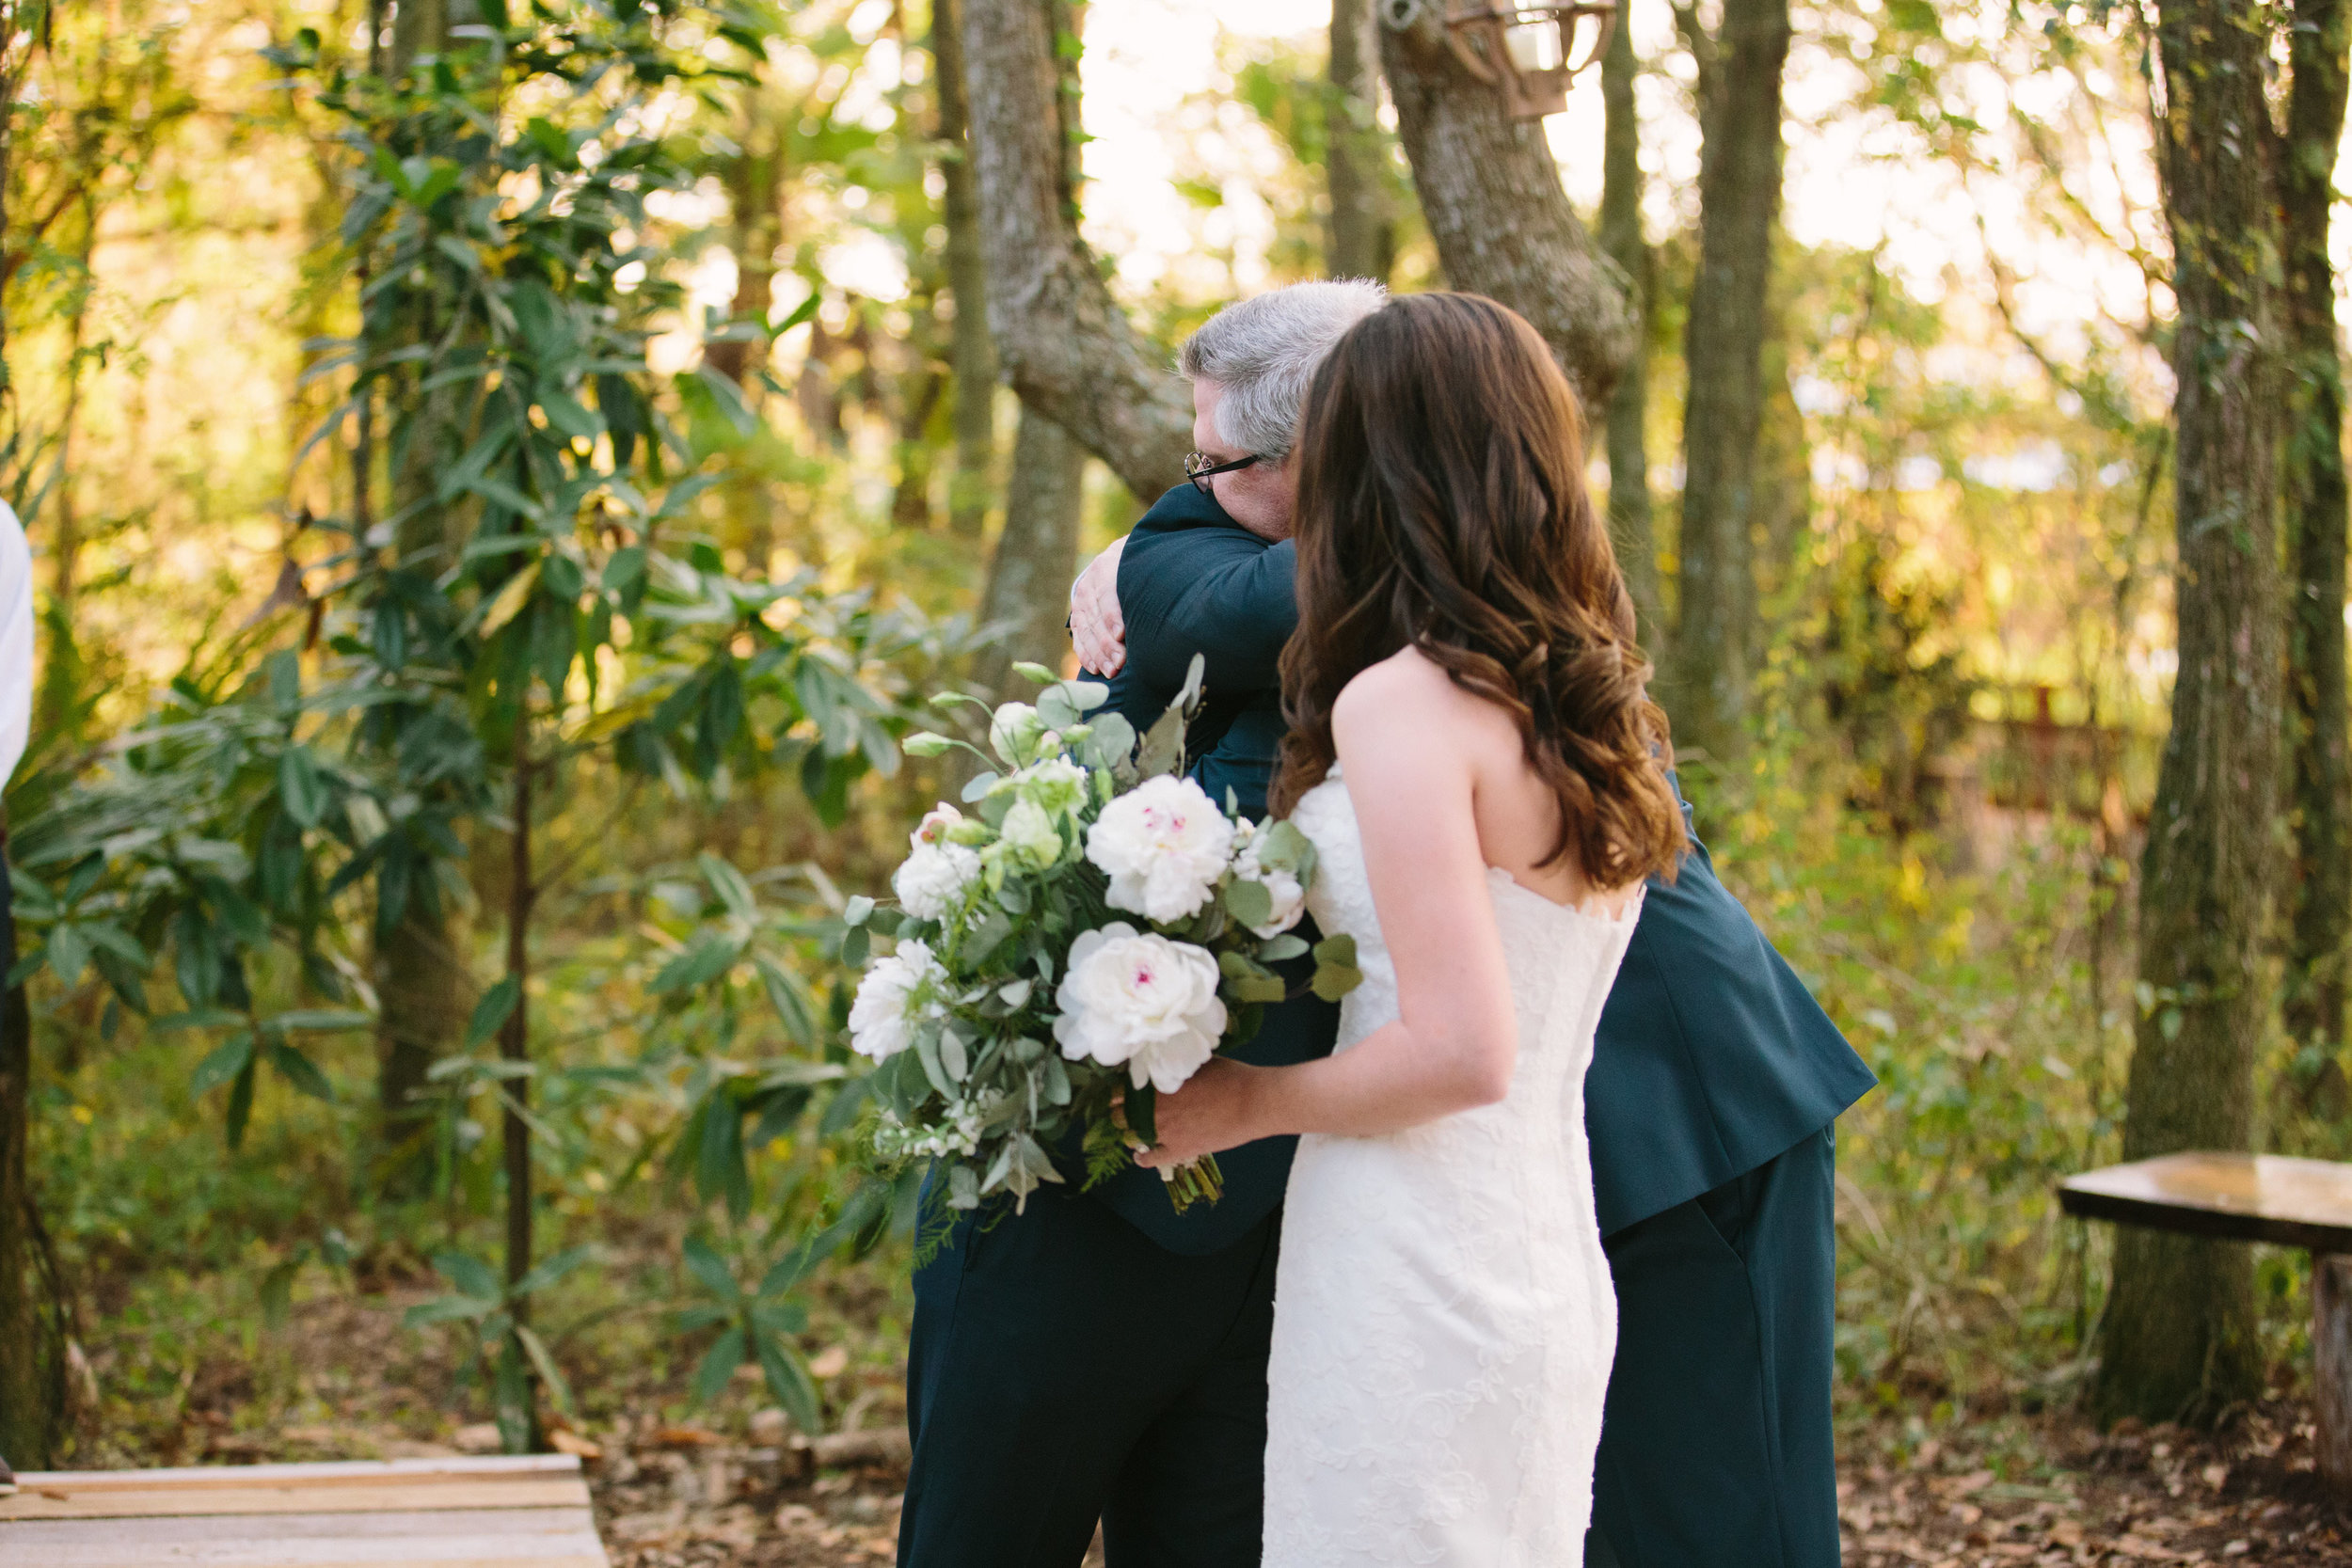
[{"x": 1096, "y": 627}]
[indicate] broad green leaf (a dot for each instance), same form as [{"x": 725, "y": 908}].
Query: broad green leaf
[
  {"x": 568, "y": 415},
  {"x": 703, "y": 1262},
  {"x": 226, "y": 1061},
  {"x": 470, "y": 1275},
  {"x": 509, "y": 600},
  {"x": 1248, "y": 902},
  {"x": 442, "y": 1310},
  {"x": 789, "y": 1381},
  {"x": 201, "y": 1018},
  {"x": 789, "y": 1001},
  {"x": 719, "y": 1364},
  {"x": 549, "y": 1374},
  {"x": 728, "y": 883},
  {"x": 491, "y": 1013},
  {"x": 68, "y": 954},
  {"x": 320, "y": 1018},
  {"x": 711, "y": 954},
  {"x": 552, "y": 1269},
  {"x": 300, "y": 787},
  {"x": 240, "y": 1105},
  {"x": 299, "y": 1070}
]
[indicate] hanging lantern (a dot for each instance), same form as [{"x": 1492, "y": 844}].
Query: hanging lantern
[{"x": 1531, "y": 51}]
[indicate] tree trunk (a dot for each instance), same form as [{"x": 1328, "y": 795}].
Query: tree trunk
[
  {"x": 2314, "y": 999},
  {"x": 972, "y": 356},
  {"x": 1037, "y": 554},
  {"x": 1363, "y": 229},
  {"x": 26, "y": 1427},
  {"x": 1066, "y": 346},
  {"x": 2179, "y": 1341},
  {"x": 1723, "y": 348},
  {"x": 1493, "y": 198},
  {"x": 422, "y": 989},
  {"x": 26, "y": 1434},
  {"x": 1629, "y": 526},
  {"x": 515, "y": 1048}
]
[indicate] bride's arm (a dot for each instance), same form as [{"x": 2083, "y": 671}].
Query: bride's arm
[{"x": 1408, "y": 757}]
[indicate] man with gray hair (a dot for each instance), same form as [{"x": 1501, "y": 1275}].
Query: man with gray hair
[{"x": 1098, "y": 1356}]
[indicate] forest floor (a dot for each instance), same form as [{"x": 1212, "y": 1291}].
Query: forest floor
[{"x": 727, "y": 1486}]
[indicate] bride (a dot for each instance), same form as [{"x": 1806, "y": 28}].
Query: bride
[{"x": 1476, "y": 759}]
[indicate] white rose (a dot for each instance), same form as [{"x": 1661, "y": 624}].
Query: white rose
[
  {"x": 1027, "y": 841},
  {"x": 1164, "y": 845},
  {"x": 898, "y": 991},
  {"x": 1057, "y": 784},
  {"x": 1140, "y": 999},
  {"x": 1014, "y": 733},
  {"x": 1290, "y": 898},
  {"x": 936, "y": 872}
]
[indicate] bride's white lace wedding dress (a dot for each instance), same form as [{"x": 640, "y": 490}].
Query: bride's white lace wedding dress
[{"x": 1443, "y": 1319}]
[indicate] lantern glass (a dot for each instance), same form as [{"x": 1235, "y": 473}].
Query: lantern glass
[{"x": 1534, "y": 46}]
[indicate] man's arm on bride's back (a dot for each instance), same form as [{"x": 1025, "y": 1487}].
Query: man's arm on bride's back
[{"x": 1215, "y": 592}]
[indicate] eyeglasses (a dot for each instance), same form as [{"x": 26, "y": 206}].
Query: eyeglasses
[{"x": 1200, "y": 468}]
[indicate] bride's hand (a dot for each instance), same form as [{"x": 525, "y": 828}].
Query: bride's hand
[{"x": 1216, "y": 1110}]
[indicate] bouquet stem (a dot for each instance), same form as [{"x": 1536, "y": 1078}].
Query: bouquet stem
[{"x": 1196, "y": 1182}]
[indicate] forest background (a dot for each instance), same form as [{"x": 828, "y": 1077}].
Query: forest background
[{"x": 503, "y": 478}]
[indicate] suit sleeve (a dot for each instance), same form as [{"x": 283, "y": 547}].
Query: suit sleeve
[{"x": 1219, "y": 593}]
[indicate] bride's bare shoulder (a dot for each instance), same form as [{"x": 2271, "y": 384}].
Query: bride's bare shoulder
[{"x": 1408, "y": 695}]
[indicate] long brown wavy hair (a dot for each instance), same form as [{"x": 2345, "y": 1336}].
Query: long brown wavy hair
[{"x": 1441, "y": 505}]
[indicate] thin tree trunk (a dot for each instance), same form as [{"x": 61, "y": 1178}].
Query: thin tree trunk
[
  {"x": 1363, "y": 229},
  {"x": 1037, "y": 554},
  {"x": 26, "y": 1434},
  {"x": 514, "y": 1048},
  {"x": 1066, "y": 346},
  {"x": 2179, "y": 1340},
  {"x": 2314, "y": 999},
  {"x": 26, "y": 1430},
  {"x": 1492, "y": 196},
  {"x": 1629, "y": 526},
  {"x": 1723, "y": 348},
  {"x": 970, "y": 487}
]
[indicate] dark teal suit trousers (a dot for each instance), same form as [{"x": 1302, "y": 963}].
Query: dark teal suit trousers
[
  {"x": 1064, "y": 1367},
  {"x": 1715, "y": 1443}
]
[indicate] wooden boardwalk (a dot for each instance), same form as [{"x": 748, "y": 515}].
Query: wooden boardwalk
[{"x": 514, "y": 1512}]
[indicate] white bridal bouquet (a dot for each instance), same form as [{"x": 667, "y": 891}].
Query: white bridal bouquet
[{"x": 1087, "y": 938}]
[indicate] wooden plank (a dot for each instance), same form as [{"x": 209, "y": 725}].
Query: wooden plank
[
  {"x": 502, "y": 1538},
  {"x": 37, "y": 1500},
  {"x": 371, "y": 1471},
  {"x": 2247, "y": 1197}
]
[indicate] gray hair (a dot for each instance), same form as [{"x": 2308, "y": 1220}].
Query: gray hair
[{"x": 1263, "y": 354}]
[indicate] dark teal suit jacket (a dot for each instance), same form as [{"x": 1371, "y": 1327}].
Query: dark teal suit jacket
[{"x": 1711, "y": 1058}]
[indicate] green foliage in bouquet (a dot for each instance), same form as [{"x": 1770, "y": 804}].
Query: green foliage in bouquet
[{"x": 1085, "y": 939}]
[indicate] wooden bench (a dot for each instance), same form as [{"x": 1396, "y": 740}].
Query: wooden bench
[
  {"x": 527, "y": 1512},
  {"x": 2255, "y": 1197}
]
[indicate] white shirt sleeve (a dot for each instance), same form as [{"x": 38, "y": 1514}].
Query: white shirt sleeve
[{"x": 16, "y": 642}]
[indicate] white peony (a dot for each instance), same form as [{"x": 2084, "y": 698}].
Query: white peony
[
  {"x": 936, "y": 872},
  {"x": 1164, "y": 845},
  {"x": 898, "y": 991},
  {"x": 1140, "y": 999},
  {"x": 1290, "y": 898}
]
